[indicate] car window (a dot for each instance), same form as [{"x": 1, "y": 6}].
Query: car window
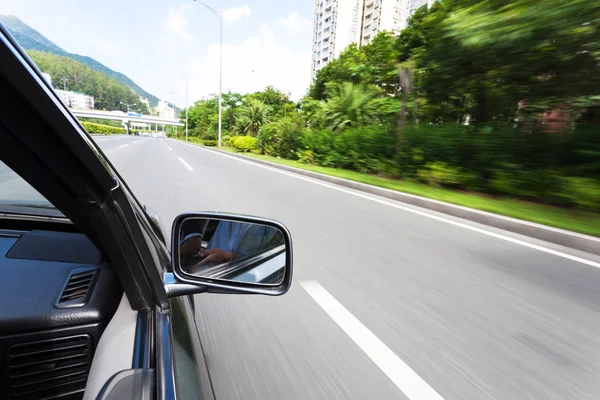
[{"x": 19, "y": 197}]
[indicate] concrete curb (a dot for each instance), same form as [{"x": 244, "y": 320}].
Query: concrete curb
[{"x": 561, "y": 237}]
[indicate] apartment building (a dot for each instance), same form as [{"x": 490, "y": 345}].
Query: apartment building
[
  {"x": 337, "y": 23},
  {"x": 75, "y": 100},
  {"x": 165, "y": 110}
]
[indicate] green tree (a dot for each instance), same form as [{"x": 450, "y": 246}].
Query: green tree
[
  {"x": 231, "y": 104},
  {"x": 278, "y": 102},
  {"x": 203, "y": 117},
  {"x": 350, "y": 66},
  {"x": 350, "y": 105},
  {"x": 312, "y": 111},
  {"x": 382, "y": 55},
  {"x": 252, "y": 115}
]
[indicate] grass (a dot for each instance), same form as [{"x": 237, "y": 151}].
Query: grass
[{"x": 573, "y": 220}]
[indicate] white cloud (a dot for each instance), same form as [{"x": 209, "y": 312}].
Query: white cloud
[
  {"x": 177, "y": 20},
  {"x": 236, "y": 13},
  {"x": 295, "y": 24},
  {"x": 259, "y": 61},
  {"x": 106, "y": 48}
]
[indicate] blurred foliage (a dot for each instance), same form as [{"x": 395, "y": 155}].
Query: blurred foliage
[
  {"x": 225, "y": 140},
  {"x": 491, "y": 96},
  {"x": 282, "y": 138},
  {"x": 109, "y": 122},
  {"x": 102, "y": 129},
  {"x": 244, "y": 143},
  {"x": 349, "y": 105}
]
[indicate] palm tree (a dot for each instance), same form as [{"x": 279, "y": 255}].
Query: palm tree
[
  {"x": 350, "y": 105},
  {"x": 242, "y": 124},
  {"x": 252, "y": 115}
]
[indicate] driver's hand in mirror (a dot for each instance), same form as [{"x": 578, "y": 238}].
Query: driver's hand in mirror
[
  {"x": 215, "y": 256},
  {"x": 191, "y": 247}
]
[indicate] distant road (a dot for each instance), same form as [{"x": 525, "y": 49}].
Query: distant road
[{"x": 386, "y": 303}]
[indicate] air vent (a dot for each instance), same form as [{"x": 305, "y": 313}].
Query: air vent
[
  {"x": 50, "y": 368},
  {"x": 78, "y": 287}
]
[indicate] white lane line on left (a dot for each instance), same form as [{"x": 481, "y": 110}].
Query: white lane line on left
[
  {"x": 407, "y": 380},
  {"x": 188, "y": 166},
  {"x": 124, "y": 145},
  {"x": 170, "y": 149}
]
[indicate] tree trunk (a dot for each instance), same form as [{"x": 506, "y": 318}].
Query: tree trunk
[
  {"x": 405, "y": 78},
  {"x": 481, "y": 103},
  {"x": 400, "y": 125}
]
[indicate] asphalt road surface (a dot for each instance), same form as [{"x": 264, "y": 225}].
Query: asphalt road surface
[{"x": 389, "y": 301}]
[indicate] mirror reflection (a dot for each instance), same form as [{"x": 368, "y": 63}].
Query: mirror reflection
[{"x": 232, "y": 250}]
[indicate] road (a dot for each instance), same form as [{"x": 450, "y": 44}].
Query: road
[{"x": 389, "y": 301}]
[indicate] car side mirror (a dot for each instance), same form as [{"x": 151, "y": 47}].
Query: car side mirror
[{"x": 227, "y": 253}]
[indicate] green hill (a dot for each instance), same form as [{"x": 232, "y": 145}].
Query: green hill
[
  {"x": 30, "y": 39},
  {"x": 107, "y": 92}
]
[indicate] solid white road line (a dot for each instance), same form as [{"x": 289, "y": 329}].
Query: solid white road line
[
  {"x": 407, "y": 380},
  {"x": 124, "y": 145},
  {"x": 414, "y": 211},
  {"x": 188, "y": 166}
]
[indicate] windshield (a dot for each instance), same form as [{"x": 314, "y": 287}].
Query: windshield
[{"x": 19, "y": 197}]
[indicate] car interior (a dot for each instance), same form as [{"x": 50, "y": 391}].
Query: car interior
[
  {"x": 66, "y": 325},
  {"x": 59, "y": 294}
]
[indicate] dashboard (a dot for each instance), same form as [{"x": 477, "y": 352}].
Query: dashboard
[{"x": 57, "y": 294}]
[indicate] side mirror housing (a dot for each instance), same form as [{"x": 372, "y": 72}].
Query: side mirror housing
[{"x": 228, "y": 253}]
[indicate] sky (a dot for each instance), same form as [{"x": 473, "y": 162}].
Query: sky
[{"x": 160, "y": 44}]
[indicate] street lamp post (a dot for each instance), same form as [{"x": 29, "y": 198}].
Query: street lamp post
[
  {"x": 219, "y": 15},
  {"x": 126, "y": 105}
]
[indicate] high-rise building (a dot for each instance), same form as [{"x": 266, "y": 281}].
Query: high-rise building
[{"x": 337, "y": 23}]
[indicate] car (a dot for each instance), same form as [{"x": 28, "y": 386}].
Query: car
[
  {"x": 154, "y": 134},
  {"x": 144, "y": 134},
  {"x": 93, "y": 304}
]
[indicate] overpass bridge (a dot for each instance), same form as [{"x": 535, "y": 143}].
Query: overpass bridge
[{"x": 125, "y": 118}]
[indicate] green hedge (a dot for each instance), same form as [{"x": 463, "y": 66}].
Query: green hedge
[
  {"x": 244, "y": 143},
  {"x": 499, "y": 159},
  {"x": 210, "y": 143},
  {"x": 102, "y": 129},
  {"x": 225, "y": 141}
]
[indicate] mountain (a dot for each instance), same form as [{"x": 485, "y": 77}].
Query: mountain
[
  {"x": 107, "y": 92},
  {"x": 30, "y": 39}
]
